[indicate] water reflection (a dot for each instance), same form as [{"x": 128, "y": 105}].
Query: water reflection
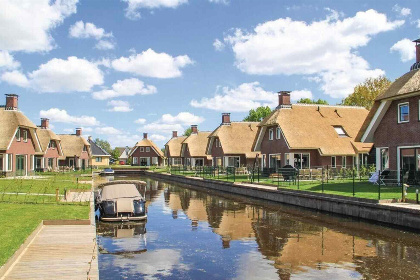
[{"x": 196, "y": 234}]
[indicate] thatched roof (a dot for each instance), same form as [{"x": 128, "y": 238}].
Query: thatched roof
[
  {"x": 197, "y": 143},
  {"x": 174, "y": 145},
  {"x": 407, "y": 83},
  {"x": 45, "y": 136},
  {"x": 237, "y": 137},
  {"x": 147, "y": 143},
  {"x": 311, "y": 126},
  {"x": 10, "y": 120},
  {"x": 72, "y": 145}
]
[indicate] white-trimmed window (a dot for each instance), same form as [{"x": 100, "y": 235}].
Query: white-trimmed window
[
  {"x": 25, "y": 136},
  {"x": 155, "y": 161},
  {"x": 403, "y": 112},
  {"x": 9, "y": 162},
  {"x": 32, "y": 162},
  {"x": 270, "y": 134},
  {"x": 98, "y": 159},
  {"x": 141, "y": 149},
  {"x": 18, "y": 135},
  {"x": 176, "y": 161},
  {"x": 135, "y": 160},
  {"x": 278, "y": 133},
  {"x": 147, "y": 149},
  {"x": 217, "y": 142},
  {"x": 340, "y": 131},
  {"x": 343, "y": 161},
  {"x": 333, "y": 162}
]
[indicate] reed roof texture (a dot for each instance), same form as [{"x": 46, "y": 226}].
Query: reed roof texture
[
  {"x": 313, "y": 127},
  {"x": 197, "y": 143},
  {"x": 148, "y": 143},
  {"x": 237, "y": 137},
  {"x": 174, "y": 145},
  {"x": 10, "y": 120},
  {"x": 72, "y": 145},
  {"x": 45, "y": 136}
]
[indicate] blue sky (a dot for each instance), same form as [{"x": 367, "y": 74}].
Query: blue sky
[{"x": 121, "y": 68}]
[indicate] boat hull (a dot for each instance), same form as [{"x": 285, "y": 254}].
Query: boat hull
[{"x": 123, "y": 218}]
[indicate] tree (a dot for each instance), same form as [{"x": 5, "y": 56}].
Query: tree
[
  {"x": 188, "y": 132},
  {"x": 258, "y": 114},
  {"x": 365, "y": 93},
  {"x": 312, "y": 101},
  {"x": 115, "y": 153},
  {"x": 104, "y": 145}
]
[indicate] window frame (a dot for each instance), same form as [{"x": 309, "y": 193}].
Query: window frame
[
  {"x": 278, "y": 133},
  {"x": 17, "y": 135},
  {"x": 343, "y": 161},
  {"x": 25, "y": 136},
  {"x": 344, "y": 134},
  {"x": 270, "y": 134},
  {"x": 399, "y": 112},
  {"x": 335, "y": 162},
  {"x": 141, "y": 149},
  {"x": 98, "y": 159},
  {"x": 147, "y": 149}
]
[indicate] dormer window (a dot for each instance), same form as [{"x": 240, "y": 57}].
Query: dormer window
[
  {"x": 52, "y": 144},
  {"x": 18, "y": 135},
  {"x": 25, "y": 136},
  {"x": 278, "y": 133},
  {"x": 340, "y": 131},
  {"x": 84, "y": 148}
]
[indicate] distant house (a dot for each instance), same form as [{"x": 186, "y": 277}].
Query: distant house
[
  {"x": 193, "y": 151},
  {"x": 18, "y": 140},
  {"x": 123, "y": 155},
  {"x": 76, "y": 150},
  {"x": 393, "y": 123},
  {"x": 48, "y": 159},
  {"x": 309, "y": 136},
  {"x": 231, "y": 143},
  {"x": 146, "y": 153},
  {"x": 99, "y": 157},
  {"x": 173, "y": 149}
]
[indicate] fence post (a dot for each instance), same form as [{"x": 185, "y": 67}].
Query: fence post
[
  {"x": 298, "y": 175},
  {"x": 402, "y": 184},
  {"x": 328, "y": 173},
  {"x": 278, "y": 177},
  {"x": 322, "y": 179},
  {"x": 353, "y": 183},
  {"x": 234, "y": 173},
  {"x": 56, "y": 194},
  {"x": 227, "y": 173},
  {"x": 258, "y": 175},
  {"x": 379, "y": 185}
]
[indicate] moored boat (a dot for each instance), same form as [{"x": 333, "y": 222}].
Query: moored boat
[{"x": 107, "y": 172}]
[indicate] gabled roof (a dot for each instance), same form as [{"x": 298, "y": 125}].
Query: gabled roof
[
  {"x": 310, "y": 126},
  {"x": 45, "y": 135},
  {"x": 406, "y": 84},
  {"x": 174, "y": 145},
  {"x": 237, "y": 137},
  {"x": 197, "y": 143},
  {"x": 147, "y": 143},
  {"x": 72, "y": 144},
  {"x": 10, "y": 120},
  {"x": 96, "y": 150},
  {"x": 121, "y": 150}
]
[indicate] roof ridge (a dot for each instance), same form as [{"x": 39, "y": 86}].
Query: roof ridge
[{"x": 325, "y": 105}]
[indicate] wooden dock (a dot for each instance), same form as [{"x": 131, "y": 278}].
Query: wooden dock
[{"x": 56, "y": 252}]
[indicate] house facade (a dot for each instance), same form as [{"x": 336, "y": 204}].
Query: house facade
[
  {"x": 311, "y": 136},
  {"x": 123, "y": 157},
  {"x": 193, "y": 150},
  {"x": 99, "y": 157},
  {"x": 393, "y": 123},
  {"x": 18, "y": 140},
  {"x": 76, "y": 151},
  {"x": 48, "y": 159},
  {"x": 173, "y": 150},
  {"x": 230, "y": 145},
  {"x": 146, "y": 153}
]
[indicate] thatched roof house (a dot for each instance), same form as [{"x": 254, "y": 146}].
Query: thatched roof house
[
  {"x": 146, "y": 153},
  {"x": 76, "y": 150},
  {"x": 173, "y": 149},
  {"x": 194, "y": 148}
]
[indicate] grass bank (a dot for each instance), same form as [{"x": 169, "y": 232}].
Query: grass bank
[{"x": 17, "y": 221}]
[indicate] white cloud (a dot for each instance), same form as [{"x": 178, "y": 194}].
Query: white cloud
[
  {"x": 15, "y": 78},
  {"x": 127, "y": 87},
  {"x": 299, "y": 94},
  {"x": 158, "y": 137},
  {"x": 140, "y": 121},
  {"x": 57, "y": 115},
  {"x": 27, "y": 24},
  {"x": 243, "y": 98},
  {"x": 219, "y": 1},
  {"x": 87, "y": 30},
  {"x": 162, "y": 128},
  {"x": 218, "y": 45},
  {"x": 418, "y": 23},
  {"x": 105, "y": 45},
  {"x": 288, "y": 47},
  {"x": 59, "y": 75},
  {"x": 132, "y": 11},
  {"x": 168, "y": 123},
  {"x": 107, "y": 130},
  {"x": 401, "y": 10},
  {"x": 405, "y": 48},
  {"x": 7, "y": 61},
  {"x": 119, "y": 106},
  {"x": 152, "y": 64}
]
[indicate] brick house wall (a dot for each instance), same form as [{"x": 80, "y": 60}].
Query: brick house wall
[
  {"x": 22, "y": 148},
  {"x": 145, "y": 154}
]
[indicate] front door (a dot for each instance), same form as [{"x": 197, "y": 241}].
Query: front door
[
  {"x": 83, "y": 164},
  {"x": 20, "y": 165}
]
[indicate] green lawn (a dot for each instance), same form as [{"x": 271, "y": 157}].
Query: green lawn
[{"x": 17, "y": 221}]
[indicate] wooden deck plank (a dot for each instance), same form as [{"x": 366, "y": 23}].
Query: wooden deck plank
[{"x": 58, "y": 251}]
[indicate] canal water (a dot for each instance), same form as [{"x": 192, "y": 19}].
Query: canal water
[{"x": 193, "y": 233}]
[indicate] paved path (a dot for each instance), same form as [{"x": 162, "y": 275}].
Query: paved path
[
  {"x": 58, "y": 252},
  {"x": 403, "y": 205}
]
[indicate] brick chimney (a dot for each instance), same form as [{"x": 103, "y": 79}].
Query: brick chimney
[
  {"x": 416, "y": 64},
  {"x": 284, "y": 98},
  {"x": 174, "y": 134},
  {"x": 79, "y": 131},
  {"x": 144, "y": 135},
  {"x": 194, "y": 129},
  {"x": 45, "y": 123},
  {"x": 11, "y": 102},
  {"x": 225, "y": 118}
]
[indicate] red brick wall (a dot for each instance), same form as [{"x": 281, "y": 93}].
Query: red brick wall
[
  {"x": 145, "y": 154},
  {"x": 391, "y": 134},
  {"x": 22, "y": 148}
]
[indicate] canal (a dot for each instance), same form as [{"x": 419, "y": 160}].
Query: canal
[{"x": 193, "y": 233}]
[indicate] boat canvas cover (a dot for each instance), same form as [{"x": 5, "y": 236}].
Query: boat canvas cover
[{"x": 123, "y": 194}]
